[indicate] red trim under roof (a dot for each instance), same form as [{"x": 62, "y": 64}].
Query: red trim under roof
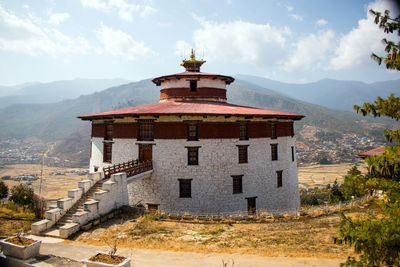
[
  {"x": 192, "y": 108},
  {"x": 373, "y": 152},
  {"x": 192, "y": 74}
]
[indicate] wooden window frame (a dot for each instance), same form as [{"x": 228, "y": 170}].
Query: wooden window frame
[
  {"x": 274, "y": 127},
  {"x": 291, "y": 129},
  {"x": 193, "y": 85},
  {"x": 108, "y": 131},
  {"x": 193, "y": 134},
  {"x": 274, "y": 152},
  {"x": 237, "y": 184},
  {"x": 152, "y": 208},
  {"x": 243, "y": 155},
  {"x": 279, "y": 178},
  {"x": 293, "y": 155},
  {"x": 193, "y": 156},
  {"x": 185, "y": 188},
  {"x": 146, "y": 130},
  {"x": 107, "y": 154},
  {"x": 243, "y": 131}
]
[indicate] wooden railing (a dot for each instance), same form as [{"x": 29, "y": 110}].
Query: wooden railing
[{"x": 131, "y": 168}]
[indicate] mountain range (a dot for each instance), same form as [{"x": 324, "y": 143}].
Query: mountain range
[
  {"x": 40, "y": 93},
  {"x": 330, "y": 93}
]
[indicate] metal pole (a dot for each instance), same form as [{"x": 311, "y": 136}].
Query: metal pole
[{"x": 41, "y": 175}]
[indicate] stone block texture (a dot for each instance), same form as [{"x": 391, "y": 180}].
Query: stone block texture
[{"x": 211, "y": 179}]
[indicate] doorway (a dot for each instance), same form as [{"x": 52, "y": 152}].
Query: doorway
[
  {"x": 251, "y": 205},
  {"x": 153, "y": 208},
  {"x": 145, "y": 153}
]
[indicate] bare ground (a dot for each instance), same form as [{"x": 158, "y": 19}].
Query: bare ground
[{"x": 302, "y": 237}]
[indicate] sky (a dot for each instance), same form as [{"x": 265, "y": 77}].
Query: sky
[{"x": 295, "y": 41}]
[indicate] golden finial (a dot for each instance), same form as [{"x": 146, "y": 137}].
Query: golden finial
[
  {"x": 192, "y": 64},
  {"x": 192, "y": 55}
]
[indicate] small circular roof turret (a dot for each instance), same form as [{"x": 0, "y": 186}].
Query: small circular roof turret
[{"x": 193, "y": 85}]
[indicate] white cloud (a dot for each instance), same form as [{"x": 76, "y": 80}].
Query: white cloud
[
  {"x": 182, "y": 48},
  {"x": 241, "y": 41},
  {"x": 119, "y": 43},
  {"x": 356, "y": 46},
  {"x": 29, "y": 36},
  {"x": 321, "y": 22},
  {"x": 97, "y": 4},
  {"x": 125, "y": 10},
  {"x": 289, "y": 8},
  {"x": 58, "y": 18},
  {"x": 296, "y": 17},
  {"x": 311, "y": 52}
]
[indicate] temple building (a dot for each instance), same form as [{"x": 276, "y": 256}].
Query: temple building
[{"x": 208, "y": 156}]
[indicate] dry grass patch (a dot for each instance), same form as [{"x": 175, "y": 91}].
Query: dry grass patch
[
  {"x": 53, "y": 187},
  {"x": 11, "y": 227},
  {"x": 304, "y": 237},
  {"x": 322, "y": 175}
]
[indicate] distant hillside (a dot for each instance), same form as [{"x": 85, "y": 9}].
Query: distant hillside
[
  {"x": 13, "y": 89},
  {"x": 52, "y": 122},
  {"x": 40, "y": 93},
  {"x": 329, "y": 93}
]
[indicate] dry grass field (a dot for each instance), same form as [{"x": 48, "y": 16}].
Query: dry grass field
[
  {"x": 299, "y": 237},
  {"x": 321, "y": 175},
  {"x": 53, "y": 186}
]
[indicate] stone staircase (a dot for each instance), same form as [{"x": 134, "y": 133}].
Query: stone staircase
[
  {"x": 78, "y": 207},
  {"x": 93, "y": 198}
]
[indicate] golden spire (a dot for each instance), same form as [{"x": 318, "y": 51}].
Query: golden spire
[
  {"x": 192, "y": 57},
  {"x": 192, "y": 64}
]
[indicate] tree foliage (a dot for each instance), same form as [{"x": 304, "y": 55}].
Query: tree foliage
[
  {"x": 3, "y": 190},
  {"x": 22, "y": 195},
  {"x": 389, "y": 25},
  {"x": 377, "y": 240}
]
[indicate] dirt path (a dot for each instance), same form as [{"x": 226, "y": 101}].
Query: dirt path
[{"x": 160, "y": 258}]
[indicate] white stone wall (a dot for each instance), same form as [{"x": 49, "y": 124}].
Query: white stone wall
[
  {"x": 185, "y": 83},
  {"x": 211, "y": 179}
]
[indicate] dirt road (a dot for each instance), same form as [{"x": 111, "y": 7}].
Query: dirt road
[{"x": 160, "y": 258}]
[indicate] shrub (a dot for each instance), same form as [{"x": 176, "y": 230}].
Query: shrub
[
  {"x": 336, "y": 194},
  {"x": 22, "y": 195},
  {"x": 3, "y": 190},
  {"x": 38, "y": 206}
]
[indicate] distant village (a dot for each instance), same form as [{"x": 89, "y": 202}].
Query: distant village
[{"x": 328, "y": 148}]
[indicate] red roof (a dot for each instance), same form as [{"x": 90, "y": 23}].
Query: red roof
[
  {"x": 187, "y": 74},
  {"x": 373, "y": 152},
  {"x": 192, "y": 108}
]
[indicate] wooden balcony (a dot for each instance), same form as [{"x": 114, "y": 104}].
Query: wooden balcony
[{"x": 131, "y": 168}]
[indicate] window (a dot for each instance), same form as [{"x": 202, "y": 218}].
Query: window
[
  {"x": 192, "y": 132},
  {"x": 292, "y": 153},
  {"x": 291, "y": 129},
  {"x": 146, "y": 130},
  {"x": 237, "y": 184},
  {"x": 243, "y": 135},
  {"x": 193, "y": 86},
  {"x": 153, "y": 208},
  {"x": 193, "y": 156},
  {"x": 278, "y": 178},
  {"x": 185, "y": 188},
  {"x": 108, "y": 135},
  {"x": 273, "y": 131},
  {"x": 242, "y": 154},
  {"x": 274, "y": 151},
  {"x": 107, "y": 152}
]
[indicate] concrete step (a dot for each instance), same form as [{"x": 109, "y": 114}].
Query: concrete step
[{"x": 53, "y": 232}]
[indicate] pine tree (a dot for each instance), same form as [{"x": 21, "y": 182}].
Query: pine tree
[{"x": 378, "y": 239}]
